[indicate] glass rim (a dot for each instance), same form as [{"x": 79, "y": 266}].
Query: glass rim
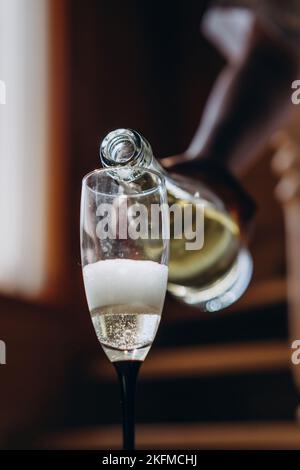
[{"x": 97, "y": 171}]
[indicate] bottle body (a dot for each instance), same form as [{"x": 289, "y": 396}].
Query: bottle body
[{"x": 215, "y": 275}]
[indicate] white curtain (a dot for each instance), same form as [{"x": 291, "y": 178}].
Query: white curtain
[{"x": 23, "y": 145}]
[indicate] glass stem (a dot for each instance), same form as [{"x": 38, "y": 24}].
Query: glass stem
[{"x": 127, "y": 373}]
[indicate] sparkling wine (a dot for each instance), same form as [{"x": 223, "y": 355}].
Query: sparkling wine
[
  {"x": 204, "y": 267},
  {"x": 126, "y": 330},
  {"x": 125, "y": 298},
  {"x": 206, "y": 276}
]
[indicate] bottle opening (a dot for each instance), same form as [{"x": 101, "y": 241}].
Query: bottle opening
[
  {"x": 125, "y": 147},
  {"x": 121, "y": 149}
]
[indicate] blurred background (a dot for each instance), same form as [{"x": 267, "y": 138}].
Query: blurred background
[{"x": 75, "y": 70}]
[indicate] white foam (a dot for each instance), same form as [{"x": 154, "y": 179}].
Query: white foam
[{"x": 125, "y": 281}]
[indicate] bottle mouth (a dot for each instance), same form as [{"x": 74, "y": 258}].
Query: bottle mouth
[{"x": 122, "y": 147}]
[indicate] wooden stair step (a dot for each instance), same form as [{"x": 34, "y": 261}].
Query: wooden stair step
[
  {"x": 205, "y": 360},
  {"x": 259, "y": 294},
  {"x": 270, "y": 435}
]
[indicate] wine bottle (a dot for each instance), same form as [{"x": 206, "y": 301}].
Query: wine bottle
[{"x": 213, "y": 276}]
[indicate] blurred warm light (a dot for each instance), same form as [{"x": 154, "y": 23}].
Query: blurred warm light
[{"x": 23, "y": 144}]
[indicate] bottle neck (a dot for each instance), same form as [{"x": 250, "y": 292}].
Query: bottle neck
[{"x": 125, "y": 147}]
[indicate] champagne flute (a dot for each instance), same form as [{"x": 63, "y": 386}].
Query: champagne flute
[{"x": 124, "y": 251}]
